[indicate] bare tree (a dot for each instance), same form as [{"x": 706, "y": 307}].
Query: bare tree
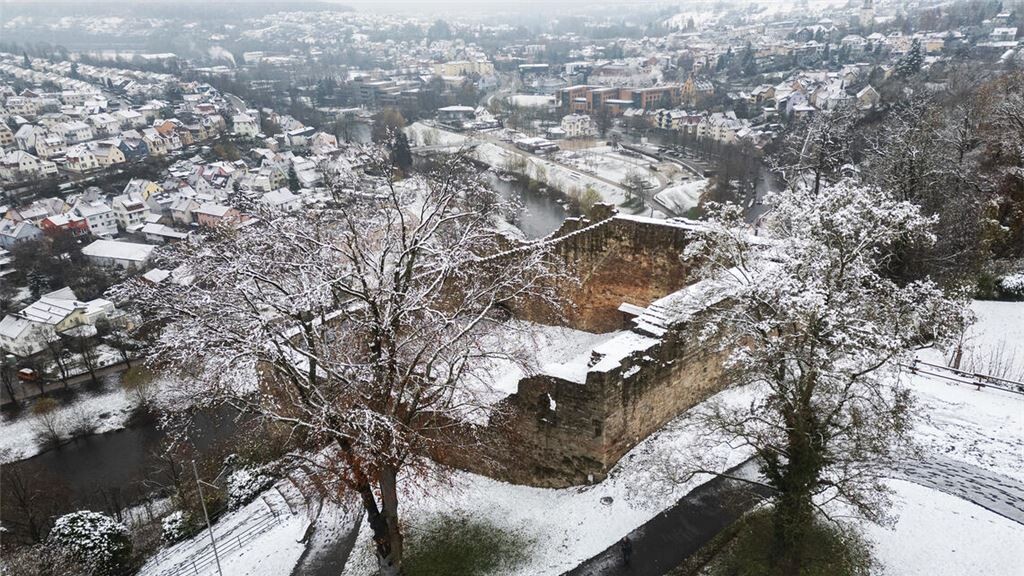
[
  {"x": 816, "y": 151},
  {"x": 369, "y": 327},
  {"x": 815, "y": 326}
]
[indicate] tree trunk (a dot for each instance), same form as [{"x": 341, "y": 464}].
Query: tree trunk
[
  {"x": 792, "y": 518},
  {"x": 389, "y": 502},
  {"x": 388, "y": 564}
]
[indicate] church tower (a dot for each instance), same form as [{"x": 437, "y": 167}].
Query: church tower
[{"x": 867, "y": 14}]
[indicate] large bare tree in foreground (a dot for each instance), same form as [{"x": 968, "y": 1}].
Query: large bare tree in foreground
[
  {"x": 370, "y": 326},
  {"x": 815, "y": 327}
]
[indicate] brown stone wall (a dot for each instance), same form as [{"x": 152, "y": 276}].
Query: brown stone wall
[
  {"x": 615, "y": 261},
  {"x": 594, "y": 424}
]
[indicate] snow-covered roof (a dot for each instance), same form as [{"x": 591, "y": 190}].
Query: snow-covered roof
[
  {"x": 13, "y": 327},
  {"x": 119, "y": 250}
]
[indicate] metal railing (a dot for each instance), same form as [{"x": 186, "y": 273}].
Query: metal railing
[{"x": 958, "y": 376}]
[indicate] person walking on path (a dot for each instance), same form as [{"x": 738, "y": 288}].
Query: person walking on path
[{"x": 627, "y": 550}]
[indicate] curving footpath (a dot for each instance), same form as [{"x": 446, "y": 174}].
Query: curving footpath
[{"x": 668, "y": 539}]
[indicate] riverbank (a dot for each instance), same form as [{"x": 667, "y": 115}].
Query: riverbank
[{"x": 96, "y": 411}]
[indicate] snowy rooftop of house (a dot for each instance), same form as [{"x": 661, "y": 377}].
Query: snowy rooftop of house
[{"x": 118, "y": 250}]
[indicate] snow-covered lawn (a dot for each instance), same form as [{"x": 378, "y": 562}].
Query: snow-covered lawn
[
  {"x": 567, "y": 180},
  {"x": 270, "y": 537},
  {"x": 980, "y": 427},
  {"x": 107, "y": 410},
  {"x": 682, "y": 197},
  {"x": 941, "y": 535}
]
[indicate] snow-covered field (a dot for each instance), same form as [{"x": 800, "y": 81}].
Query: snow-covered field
[
  {"x": 682, "y": 197},
  {"x": 567, "y": 180},
  {"x": 941, "y": 535}
]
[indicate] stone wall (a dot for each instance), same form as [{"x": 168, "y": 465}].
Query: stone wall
[
  {"x": 618, "y": 260},
  {"x": 555, "y": 432}
]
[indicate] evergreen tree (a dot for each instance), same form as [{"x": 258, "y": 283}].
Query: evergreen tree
[
  {"x": 293, "y": 179},
  {"x": 26, "y": 62},
  {"x": 401, "y": 153},
  {"x": 910, "y": 63}
]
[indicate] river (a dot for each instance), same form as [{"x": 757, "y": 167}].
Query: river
[{"x": 537, "y": 213}]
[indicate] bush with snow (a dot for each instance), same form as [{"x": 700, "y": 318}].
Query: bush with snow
[
  {"x": 245, "y": 484},
  {"x": 174, "y": 527},
  {"x": 95, "y": 537},
  {"x": 1012, "y": 286}
]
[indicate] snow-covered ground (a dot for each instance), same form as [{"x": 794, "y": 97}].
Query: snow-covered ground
[
  {"x": 562, "y": 527},
  {"x": 936, "y": 533},
  {"x": 554, "y": 350},
  {"x": 941, "y": 535},
  {"x": 604, "y": 162},
  {"x": 567, "y": 180},
  {"x": 263, "y": 538},
  {"x": 682, "y": 197}
]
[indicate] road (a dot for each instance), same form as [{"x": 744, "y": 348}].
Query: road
[
  {"x": 668, "y": 539},
  {"x": 27, "y": 391}
]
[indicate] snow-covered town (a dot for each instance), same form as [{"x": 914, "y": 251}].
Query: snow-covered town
[{"x": 485, "y": 288}]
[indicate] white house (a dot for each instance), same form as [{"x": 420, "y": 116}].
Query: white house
[
  {"x": 79, "y": 158},
  {"x": 282, "y": 200},
  {"x": 18, "y": 165},
  {"x": 122, "y": 254},
  {"x": 105, "y": 124},
  {"x": 245, "y": 125},
  {"x": 75, "y": 131},
  {"x": 578, "y": 126},
  {"x": 50, "y": 145},
  {"x": 98, "y": 215},
  {"x": 27, "y": 332},
  {"x": 130, "y": 210}
]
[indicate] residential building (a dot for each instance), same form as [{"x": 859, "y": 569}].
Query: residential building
[
  {"x": 245, "y": 126},
  {"x": 127, "y": 255},
  {"x": 578, "y": 126},
  {"x": 13, "y": 233},
  {"x": 79, "y": 158},
  {"x": 211, "y": 214},
  {"x": 18, "y": 165},
  {"x": 130, "y": 211},
  {"x": 50, "y": 145},
  {"x": 98, "y": 215}
]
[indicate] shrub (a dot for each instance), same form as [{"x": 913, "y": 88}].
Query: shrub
[
  {"x": 829, "y": 550},
  {"x": 1011, "y": 287},
  {"x": 93, "y": 536},
  {"x": 245, "y": 484},
  {"x": 174, "y": 527}
]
